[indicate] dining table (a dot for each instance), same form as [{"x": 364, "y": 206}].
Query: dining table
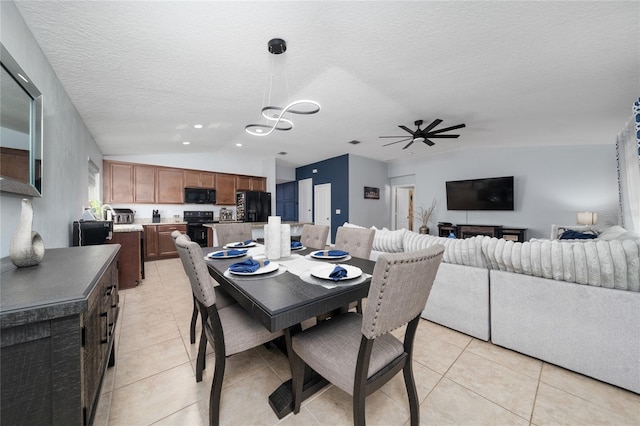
[{"x": 288, "y": 293}]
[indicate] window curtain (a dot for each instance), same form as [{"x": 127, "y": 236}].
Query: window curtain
[{"x": 628, "y": 156}]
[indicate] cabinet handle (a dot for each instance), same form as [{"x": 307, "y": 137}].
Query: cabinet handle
[{"x": 105, "y": 339}]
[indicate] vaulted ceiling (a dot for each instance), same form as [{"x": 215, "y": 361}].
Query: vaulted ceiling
[{"x": 142, "y": 73}]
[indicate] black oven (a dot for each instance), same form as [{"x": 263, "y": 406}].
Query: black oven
[
  {"x": 195, "y": 225},
  {"x": 199, "y": 196}
]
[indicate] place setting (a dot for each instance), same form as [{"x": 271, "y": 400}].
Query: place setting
[
  {"x": 332, "y": 275},
  {"x": 226, "y": 254},
  {"x": 241, "y": 244},
  {"x": 254, "y": 268},
  {"x": 297, "y": 245},
  {"x": 329, "y": 255}
]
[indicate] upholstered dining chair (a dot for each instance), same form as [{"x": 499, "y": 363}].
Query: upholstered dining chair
[
  {"x": 357, "y": 241},
  {"x": 230, "y": 330},
  {"x": 232, "y": 232},
  {"x": 223, "y": 300},
  {"x": 358, "y": 353},
  {"x": 314, "y": 236}
]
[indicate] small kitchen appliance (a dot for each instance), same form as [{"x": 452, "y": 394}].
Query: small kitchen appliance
[
  {"x": 123, "y": 216},
  {"x": 226, "y": 215}
]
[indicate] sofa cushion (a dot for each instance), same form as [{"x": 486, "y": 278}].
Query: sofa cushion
[
  {"x": 467, "y": 251},
  {"x": 389, "y": 241}
]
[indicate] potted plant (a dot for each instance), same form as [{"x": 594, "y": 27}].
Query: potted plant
[{"x": 425, "y": 215}]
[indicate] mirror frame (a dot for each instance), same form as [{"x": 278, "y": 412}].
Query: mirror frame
[{"x": 35, "y": 128}]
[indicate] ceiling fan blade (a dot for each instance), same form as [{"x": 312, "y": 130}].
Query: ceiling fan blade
[
  {"x": 403, "y": 136},
  {"x": 391, "y": 143},
  {"x": 446, "y": 129},
  {"x": 428, "y": 142},
  {"x": 444, "y": 136},
  {"x": 433, "y": 124},
  {"x": 409, "y": 144},
  {"x": 406, "y": 129}
]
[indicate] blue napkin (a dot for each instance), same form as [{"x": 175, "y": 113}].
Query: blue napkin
[
  {"x": 296, "y": 244},
  {"x": 337, "y": 273},
  {"x": 248, "y": 265},
  {"x": 333, "y": 253},
  {"x": 228, "y": 253},
  {"x": 243, "y": 243}
]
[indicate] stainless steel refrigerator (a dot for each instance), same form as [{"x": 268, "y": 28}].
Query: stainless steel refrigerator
[{"x": 253, "y": 206}]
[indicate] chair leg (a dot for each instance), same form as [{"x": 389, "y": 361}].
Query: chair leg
[
  {"x": 216, "y": 391},
  {"x": 194, "y": 318},
  {"x": 412, "y": 393},
  {"x": 201, "y": 362},
  {"x": 358, "y": 409}
]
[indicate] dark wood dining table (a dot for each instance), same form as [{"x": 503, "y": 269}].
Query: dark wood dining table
[{"x": 281, "y": 301}]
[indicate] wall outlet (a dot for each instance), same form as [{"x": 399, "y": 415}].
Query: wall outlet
[{"x": 337, "y": 211}]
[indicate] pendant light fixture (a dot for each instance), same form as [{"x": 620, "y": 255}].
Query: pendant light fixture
[{"x": 275, "y": 116}]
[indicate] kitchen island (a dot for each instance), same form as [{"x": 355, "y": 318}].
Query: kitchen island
[{"x": 131, "y": 258}]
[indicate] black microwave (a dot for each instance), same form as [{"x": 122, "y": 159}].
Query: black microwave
[{"x": 199, "y": 196}]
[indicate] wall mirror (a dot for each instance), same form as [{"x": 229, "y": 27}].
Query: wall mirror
[{"x": 20, "y": 130}]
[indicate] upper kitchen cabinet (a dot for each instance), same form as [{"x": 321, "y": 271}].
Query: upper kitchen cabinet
[
  {"x": 170, "y": 188},
  {"x": 249, "y": 183},
  {"x": 118, "y": 182},
  {"x": 226, "y": 189},
  {"x": 144, "y": 184},
  {"x": 196, "y": 179}
]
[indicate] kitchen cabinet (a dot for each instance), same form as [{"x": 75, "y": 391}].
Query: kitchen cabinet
[
  {"x": 144, "y": 184},
  {"x": 170, "y": 188},
  {"x": 118, "y": 182},
  {"x": 196, "y": 179},
  {"x": 250, "y": 183},
  {"x": 129, "y": 262},
  {"x": 58, "y": 322},
  {"x": 158, "y": 241},
  {"x": 226, "y": 190}
]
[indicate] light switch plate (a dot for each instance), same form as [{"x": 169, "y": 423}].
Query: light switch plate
[{"x": 337, "y": 211}]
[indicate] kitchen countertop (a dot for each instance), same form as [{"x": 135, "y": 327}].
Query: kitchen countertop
[{"x": 130, "y": 227}]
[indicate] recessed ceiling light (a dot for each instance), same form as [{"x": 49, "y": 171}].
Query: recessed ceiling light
[
  {"x": 198, "y": 126},
  {"x": 186, "y": 143},
  {"x": 238, "y": 144},
  {"x": 354, "y": 142}
]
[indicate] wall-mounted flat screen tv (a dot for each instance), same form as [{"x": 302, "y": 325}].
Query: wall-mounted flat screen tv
[{"x": 480, "y": 194}]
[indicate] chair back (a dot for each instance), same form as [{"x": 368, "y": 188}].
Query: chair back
[
  {"x": 314, "y": 236},
  {"x": 357, "y": 241},
  {"x": 202, "y": 285},
  {"x": 175, "y": 234},
  {"x": 232, "y": 232},
  {"x": 399, "y": 289}
]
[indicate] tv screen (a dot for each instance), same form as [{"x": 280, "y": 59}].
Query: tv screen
[{"x": 480, "y": 194}]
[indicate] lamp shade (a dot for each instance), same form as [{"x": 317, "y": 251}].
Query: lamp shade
[{"x": 587, "y": 218}]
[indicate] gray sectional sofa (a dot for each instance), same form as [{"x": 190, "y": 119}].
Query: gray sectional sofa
[{"x": 575, "y": 304}]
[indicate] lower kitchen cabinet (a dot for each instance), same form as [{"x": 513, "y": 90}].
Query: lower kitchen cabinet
[
  {"x": 129, "y": 260},
  {"x": 158, "y": 241},
  {"x": 58, "y": 321}
]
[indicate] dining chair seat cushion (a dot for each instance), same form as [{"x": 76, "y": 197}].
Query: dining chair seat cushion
[
  {"x": 331, "y": 349},
  {"x": 241, "y": 331}
]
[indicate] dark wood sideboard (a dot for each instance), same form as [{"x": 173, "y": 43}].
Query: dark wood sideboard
[
  {"x": 57, "y": 323},
  {"x": 498, "y": 231}
]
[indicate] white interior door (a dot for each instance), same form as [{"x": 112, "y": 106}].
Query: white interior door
[
  {"x": 403, "y": 210},
  {"x": 322, "y": 206},
  {"x": 305, "y": 200}
]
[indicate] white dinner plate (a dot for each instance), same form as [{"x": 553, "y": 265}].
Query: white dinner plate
[
  {"x": 324, "y": 271},
  {"x": 240, "y": 245},
  {"x": 321, "y": 254},
  {"x": 224, "y": 256},
  {"x": 298, "y": 248},
  {"x": 272, "y": 266}
]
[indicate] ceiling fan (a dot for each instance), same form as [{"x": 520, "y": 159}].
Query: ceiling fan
[{"x": 423, "y": 135}]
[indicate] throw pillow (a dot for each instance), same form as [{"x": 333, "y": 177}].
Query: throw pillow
[{"x": 570, "y": 234}]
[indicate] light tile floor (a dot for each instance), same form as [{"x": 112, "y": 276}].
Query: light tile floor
[{"x": 460, "y": 380}]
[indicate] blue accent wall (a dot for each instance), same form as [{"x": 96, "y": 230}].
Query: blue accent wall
[
  {"x": 336, "y": 172},
  {"x": 287, "y": 201}
]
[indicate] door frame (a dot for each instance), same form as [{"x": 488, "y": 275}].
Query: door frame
[{"x": 394, "y": 212}]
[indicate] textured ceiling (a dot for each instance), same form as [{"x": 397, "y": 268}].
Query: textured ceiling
[{"x": 141, "y": 73}]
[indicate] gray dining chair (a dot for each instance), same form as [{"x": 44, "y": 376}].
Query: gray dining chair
[
  {"x": 358, "y": 353},
  {"x": 230, "y": 330},
  {"x": 232, "y": 232},
  {"x": 223, "y": 300},
  {"x": 357, "y": 241},
  {"x": 314, "y": 236}
]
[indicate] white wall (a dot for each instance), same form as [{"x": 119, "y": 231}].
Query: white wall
[
  {"x": 552, "y": 184},
  {"x": 366, "y": 172},
  {"x": 67, "y": 145}
]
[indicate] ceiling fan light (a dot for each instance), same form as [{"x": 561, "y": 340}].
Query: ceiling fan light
[{"x": 418, "y": 139}]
